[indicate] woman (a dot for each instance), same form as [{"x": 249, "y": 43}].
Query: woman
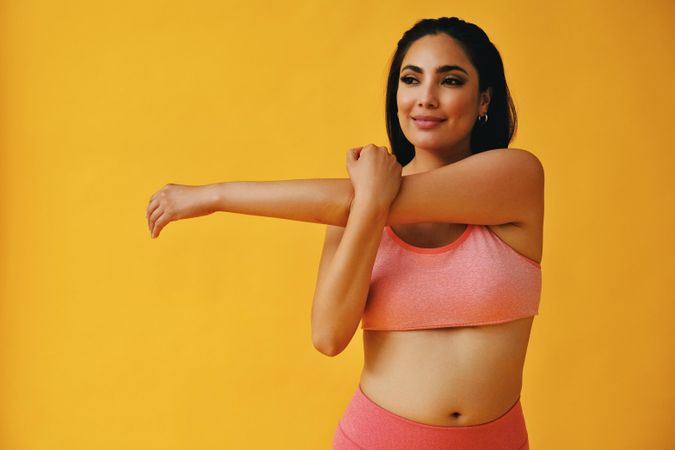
[{"x": 435, "y": 249}]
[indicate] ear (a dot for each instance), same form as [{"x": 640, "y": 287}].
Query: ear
[{"x": 486, "y": 96}]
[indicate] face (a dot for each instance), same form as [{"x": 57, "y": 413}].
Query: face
[{"x": 450, "y": 95}]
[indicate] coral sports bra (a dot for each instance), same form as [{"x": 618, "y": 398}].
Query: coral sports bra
[{"x": 477, "y": 279}]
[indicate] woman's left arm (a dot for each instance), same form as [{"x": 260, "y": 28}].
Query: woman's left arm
[
  {"x": 321, "y": 200},
  {"x": 492, "y": 187}
]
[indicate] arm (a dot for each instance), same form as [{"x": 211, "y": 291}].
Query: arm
[
  {"x": 492, "y": 187},
  {"x": 323, "y": 200},
  {"x": 344, "y": 277}
]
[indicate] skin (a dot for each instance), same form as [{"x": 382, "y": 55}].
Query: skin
[
  {"x": 454, "y": 376},
  {"x": 452, "y": 95}
]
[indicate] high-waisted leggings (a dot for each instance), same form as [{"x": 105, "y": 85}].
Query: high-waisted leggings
[{"x": 366, "y": 425}]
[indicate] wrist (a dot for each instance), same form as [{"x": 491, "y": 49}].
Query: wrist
[
  {"x": 369, "y": 205},
  {"x": 214, "y": 196}
]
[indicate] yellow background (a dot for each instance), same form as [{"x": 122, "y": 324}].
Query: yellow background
[{"x": 201, "y": 338}]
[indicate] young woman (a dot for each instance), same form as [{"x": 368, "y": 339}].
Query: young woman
[{"x": 435, "y": 248}]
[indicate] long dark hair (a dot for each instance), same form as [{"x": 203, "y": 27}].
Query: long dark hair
[{"x": 485, "y": 57}]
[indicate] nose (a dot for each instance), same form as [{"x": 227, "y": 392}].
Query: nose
[{"x": 428, "y": 97}]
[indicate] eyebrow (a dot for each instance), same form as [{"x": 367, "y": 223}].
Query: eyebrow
[{"x": 439, "y": 69}]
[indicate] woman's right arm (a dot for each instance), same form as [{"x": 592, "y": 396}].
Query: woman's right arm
[
  {"x": 349, "y": 254},
  {"x": 344, "y": 276}
]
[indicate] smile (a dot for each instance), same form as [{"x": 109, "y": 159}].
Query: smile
[{"x": 427, "y": 124}]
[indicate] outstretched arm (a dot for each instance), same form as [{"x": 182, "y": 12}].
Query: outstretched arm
[
  {"x": 490, "y": 188},
  {"x": 326, "y": 201},
  {"x": 322, "y": 200}
]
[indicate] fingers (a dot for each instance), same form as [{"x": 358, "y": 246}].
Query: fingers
[
  {"x": 159, "y": 224},
  {"x": 355, "y": 152},
  {"x": 377, "y": 147},
  {"x": 350, "y": 154},
  {"x": 154, "y": 216},
  {"x": 154, "y": 196},
  {"x": 154, "y": 204},
  {"x": 151, "y": 205},
  {"x": 153, "y": 210}
]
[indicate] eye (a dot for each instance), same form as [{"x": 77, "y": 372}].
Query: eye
[
  {"x": 457, "y": 82},
  {"x": 407, "y": 80}
]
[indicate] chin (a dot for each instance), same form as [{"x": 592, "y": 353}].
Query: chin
[{"x": 429, "y": 143}]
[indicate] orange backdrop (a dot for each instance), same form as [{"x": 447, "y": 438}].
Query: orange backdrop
[{"x": 201, "y": 338}]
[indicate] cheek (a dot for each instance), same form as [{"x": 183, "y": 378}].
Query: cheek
[
  {"x": 457, "y": 103},
  {"x": 404, "y": 102}
]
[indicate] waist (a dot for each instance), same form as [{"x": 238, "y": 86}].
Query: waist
[
  {"x": 447, "y": 376},
  {"x": 449, "y": 405}
]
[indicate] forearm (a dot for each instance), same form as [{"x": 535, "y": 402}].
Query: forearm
[
  {"x": 340, "y": 299},
  {"x": 322, "y": 200}
]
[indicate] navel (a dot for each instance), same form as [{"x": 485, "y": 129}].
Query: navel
[{"x": 455, "y": 415}]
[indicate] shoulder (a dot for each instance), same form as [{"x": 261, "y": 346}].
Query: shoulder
[
  {"x": 521, "y": 171},
  {"x": 517, "y": 164},
  {"x": 507, "y": 183},
  {"x": 517, "y": 157},
  {"x": 528, "y": 157},
  {"x": 525, "y": 236},
  {"x": 526, "y": 160},
  {"x": 531, "y": 169}
]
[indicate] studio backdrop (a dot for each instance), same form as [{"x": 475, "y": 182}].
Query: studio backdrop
[{"x": 201, "y": 339}]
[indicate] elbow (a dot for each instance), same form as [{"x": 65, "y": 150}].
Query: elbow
[
  {"x": 331, "y": 331},
  {"x": 328, "y": 346},
  {"x": 327, "y": 350}
]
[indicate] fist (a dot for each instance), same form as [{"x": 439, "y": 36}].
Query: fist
[{"x": 375, "y": 173}]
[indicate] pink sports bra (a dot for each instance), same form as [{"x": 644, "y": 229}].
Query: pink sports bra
[{"x": 477, "y": 279}]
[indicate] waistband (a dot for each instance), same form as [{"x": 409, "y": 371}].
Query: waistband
[{"x": 374, "y": 427}]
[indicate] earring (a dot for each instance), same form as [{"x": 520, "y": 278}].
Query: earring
[{"x": 483, "y": 119}]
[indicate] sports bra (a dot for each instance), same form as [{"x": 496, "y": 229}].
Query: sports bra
[{"x": 477, "y": 279}]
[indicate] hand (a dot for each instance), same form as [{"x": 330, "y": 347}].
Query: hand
[
  {"x": 175, "y": 202},
  {"x": 375, "y": 174}
]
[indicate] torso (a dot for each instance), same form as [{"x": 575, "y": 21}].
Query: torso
[{"x": 455, "y": 376}]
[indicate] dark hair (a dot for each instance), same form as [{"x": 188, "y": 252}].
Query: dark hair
[{"x": 501, "y": 125}]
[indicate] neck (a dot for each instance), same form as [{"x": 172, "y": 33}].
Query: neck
[{"x": 425, "y": 159}]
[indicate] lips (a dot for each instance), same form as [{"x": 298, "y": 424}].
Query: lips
[
  {"x": 427, "y": 122},
  {"x": 428, "y": 118}
]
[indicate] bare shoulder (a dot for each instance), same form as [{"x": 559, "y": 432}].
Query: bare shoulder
[
  {"x": 529, "y": 168},
  {"x": 527, "y": 236},
  {"x": 506, "y": 183},
  {"x": 527, "y": 162}
]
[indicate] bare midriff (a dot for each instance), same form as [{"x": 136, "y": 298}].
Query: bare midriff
[{"x": 455, "y": 376}]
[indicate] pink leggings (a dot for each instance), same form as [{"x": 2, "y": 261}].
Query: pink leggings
[{"x": 367, "y": 425}]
